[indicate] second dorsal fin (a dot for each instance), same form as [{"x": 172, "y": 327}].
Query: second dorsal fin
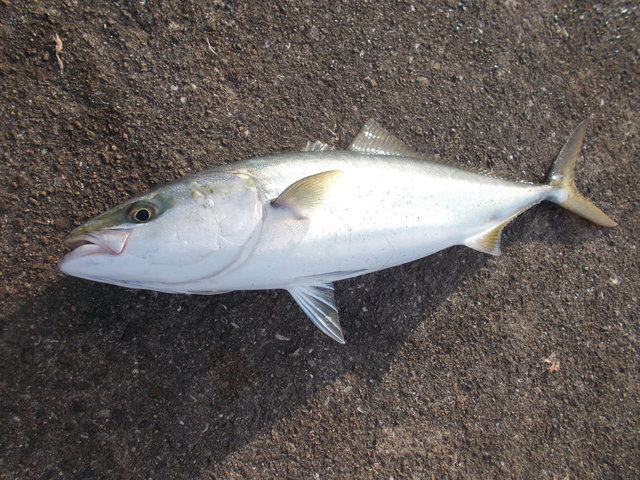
[{"x": 375, "y": 140}]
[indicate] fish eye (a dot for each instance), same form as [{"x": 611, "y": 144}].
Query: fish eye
[{"x": 142, "y": 213}]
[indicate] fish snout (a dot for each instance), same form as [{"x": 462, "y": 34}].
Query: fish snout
[{"x": 105, "y": 241}]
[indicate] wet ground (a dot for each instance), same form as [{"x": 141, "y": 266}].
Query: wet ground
[{"x": 457, "y": 366}]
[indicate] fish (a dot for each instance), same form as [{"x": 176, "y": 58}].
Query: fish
[{"x": 300, "y": 221}]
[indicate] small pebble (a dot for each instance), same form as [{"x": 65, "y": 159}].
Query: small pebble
[{"x": 314, "y": 32}]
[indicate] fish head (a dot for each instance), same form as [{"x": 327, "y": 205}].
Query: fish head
[{"x": 169, "y": 238}]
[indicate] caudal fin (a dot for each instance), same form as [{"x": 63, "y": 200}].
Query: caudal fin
[{"x": 562, "y": 177}]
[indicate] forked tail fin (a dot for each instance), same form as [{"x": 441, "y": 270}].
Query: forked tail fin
[{"x": 562, "y": 177}]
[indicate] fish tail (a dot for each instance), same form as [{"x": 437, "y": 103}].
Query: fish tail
[{"x": 562, "y": 177}]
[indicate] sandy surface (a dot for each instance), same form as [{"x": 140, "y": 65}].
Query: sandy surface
[{"x": 457, "y": 366}]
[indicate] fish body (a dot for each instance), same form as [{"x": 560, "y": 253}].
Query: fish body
[
  {"x": 378, "y": 212},
  {"x": 303, "y": 220}
]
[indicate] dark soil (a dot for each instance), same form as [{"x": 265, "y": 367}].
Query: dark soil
[{"x": 457, "y": 366}]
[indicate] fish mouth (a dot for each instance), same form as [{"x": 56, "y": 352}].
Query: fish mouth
[{"x": 108, "y": 242}]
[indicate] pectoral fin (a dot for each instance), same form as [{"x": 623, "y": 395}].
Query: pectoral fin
[
  {"x": 319, "y": 303},
  {"x": 306, "y": 194}
]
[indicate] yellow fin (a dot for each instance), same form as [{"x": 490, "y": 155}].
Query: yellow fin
[
  {"x": 489, "y": 241},
  {"x": 307, "y": 193},
  {"x": 562, "y": 177}
]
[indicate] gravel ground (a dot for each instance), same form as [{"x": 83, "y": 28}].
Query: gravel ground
[{"x": 459, "y": 365}]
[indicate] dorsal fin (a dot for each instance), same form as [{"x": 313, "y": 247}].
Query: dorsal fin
[
  {"x": 375, "y": 140},
  {"x": 307, "y": 193},
  {"x": 317, "y": 146}
]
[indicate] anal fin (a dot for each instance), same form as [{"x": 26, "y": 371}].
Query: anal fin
[
  {"x": 488, "y": 241},
  {"x": 319, "y": 303}
]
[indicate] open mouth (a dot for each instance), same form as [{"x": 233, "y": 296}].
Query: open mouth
[{"x": 109, "y": 242}]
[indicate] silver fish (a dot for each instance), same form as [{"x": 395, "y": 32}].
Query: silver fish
[{"x": 301, "y": 221}]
